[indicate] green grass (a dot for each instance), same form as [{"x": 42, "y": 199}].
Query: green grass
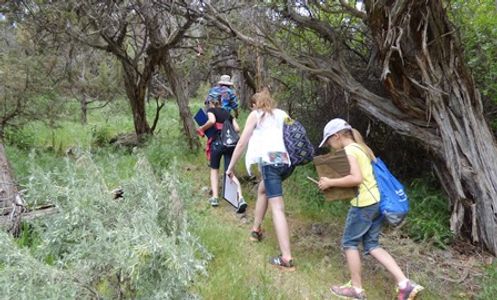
[
  {"x": 489, "y": 283},
  {"x": 238, "y": 268}
]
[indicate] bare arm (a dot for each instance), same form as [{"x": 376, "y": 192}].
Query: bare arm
[
  {"x": 235, "y": 125},
  {"x": 243, "y": 141},
  {"x": 210, "y": 122},
  {"x": 351, "y": 180}
]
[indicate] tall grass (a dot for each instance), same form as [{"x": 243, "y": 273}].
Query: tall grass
[{"x": 428, "y": 220}]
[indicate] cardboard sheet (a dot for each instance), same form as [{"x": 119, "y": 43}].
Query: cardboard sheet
[{"x": 334, "y": 166}]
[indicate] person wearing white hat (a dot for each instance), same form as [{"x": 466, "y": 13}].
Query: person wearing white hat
[
  {"x": 224, "y": 89},
  {"x": 225, "y": 80},
  {"x": 364, "y": 220}
]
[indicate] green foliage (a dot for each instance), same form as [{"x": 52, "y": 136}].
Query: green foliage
[
  {"x": 101, "y": 136},
  {"x": 489, "y": 283},
  {"x": 23, "y": 276},
  {"x": 428, "y": 219},
  {"x": 30, "y": 79},
  {"x": 138, "y": 247},
  {"x": 99, "y": 247},
  {"x": 477, "y": 23},
  {"x": 20, "y": 138},
  {"x": 29, "y": 237}
]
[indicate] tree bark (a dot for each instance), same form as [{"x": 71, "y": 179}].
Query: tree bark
[
  {"x": 10, "y": 200},
  {"x": 135, "y": 90},
  {"x": 84, "y": 109},
  {"x": 182, "y": 101},
  {"x": 425, "y": 74}
]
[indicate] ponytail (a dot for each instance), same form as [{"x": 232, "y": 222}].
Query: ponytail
[
  {"x": 357, "y": 136},
  {"x": 262, "y": 100}
]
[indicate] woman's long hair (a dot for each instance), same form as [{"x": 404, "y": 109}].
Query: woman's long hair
[
  {"x": 262, "y": 100},
  {"x": 357, "y": 137}
]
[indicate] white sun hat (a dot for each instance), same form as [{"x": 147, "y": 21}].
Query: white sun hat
[
  {"x": 225, "y": 79},
  {"x": 333, "y": 127}
]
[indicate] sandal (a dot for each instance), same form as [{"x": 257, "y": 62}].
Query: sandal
[
  {"x": 279, "y": 262},
  {"x": 256, "y": 236},
  {"x": 346, "y": 291}
]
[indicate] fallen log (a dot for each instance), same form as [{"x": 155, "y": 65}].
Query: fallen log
[{"x": 6, "y": 221}]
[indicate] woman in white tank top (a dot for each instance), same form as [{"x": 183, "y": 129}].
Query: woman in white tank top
[{"x": 263, "y": 133}]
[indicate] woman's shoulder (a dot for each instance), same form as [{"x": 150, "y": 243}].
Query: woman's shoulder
[{"x": 279, "y": 111}]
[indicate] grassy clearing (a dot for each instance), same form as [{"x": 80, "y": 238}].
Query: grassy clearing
[{"x": 238, "y": 268}]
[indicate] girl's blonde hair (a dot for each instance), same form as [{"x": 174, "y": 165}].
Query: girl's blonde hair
[
  {"x": 262, "y": 100},
  {"x": 357, "y": 137}
]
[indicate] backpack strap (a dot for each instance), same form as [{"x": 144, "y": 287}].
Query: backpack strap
[{"x": 369, "y": 190}]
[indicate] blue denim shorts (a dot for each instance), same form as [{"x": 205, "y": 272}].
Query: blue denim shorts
[
  {"x": 273, "y": 176},
  {"x": 363, "y": 224}
]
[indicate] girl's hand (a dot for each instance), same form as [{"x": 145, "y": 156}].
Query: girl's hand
[
  {"x": 229, "y": 172},
  {"x": 324, "y": 183},
  {"x": 200, "y": 132}
]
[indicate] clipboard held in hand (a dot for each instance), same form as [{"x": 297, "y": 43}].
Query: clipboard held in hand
[
  {"x": 334, "y": 165},
  {"x": 201, "y": 118}
]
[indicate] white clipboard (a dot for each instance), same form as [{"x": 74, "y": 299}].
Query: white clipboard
[{"x": 230, "y": 191}]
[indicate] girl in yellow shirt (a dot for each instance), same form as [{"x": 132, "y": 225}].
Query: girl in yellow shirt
[{"x": 364, "y": 220}]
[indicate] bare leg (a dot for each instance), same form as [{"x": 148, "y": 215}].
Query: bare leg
[
  {"x": 354, "y": 263},
  {"x": 389, "y": 263},
  {"x": 281, "y": 226},
  {"x": 260, "y": 206},
  {"x": 215, "y": 183},
  {"x": 238, "y": 186}
]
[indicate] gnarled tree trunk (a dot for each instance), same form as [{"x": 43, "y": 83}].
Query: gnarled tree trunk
[
  {"x": 181, "y": 100},
  {"x": 11, "y": 204},
  {"x": 136, "y": 88},
  {"x": 432, "y": 98},
  {"x": 425, "y": 73}
]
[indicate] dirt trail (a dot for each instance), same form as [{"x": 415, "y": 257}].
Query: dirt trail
[{"x": 446, "y": 274}]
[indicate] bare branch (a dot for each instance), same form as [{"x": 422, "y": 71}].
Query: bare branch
[{"x": 353, "y": 11}]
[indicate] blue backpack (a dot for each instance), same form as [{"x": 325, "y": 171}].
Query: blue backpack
[
  {"x": 394, "y": 203},
  {"x": 297, "y": 144}
]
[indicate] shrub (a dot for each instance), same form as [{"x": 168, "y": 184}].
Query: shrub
[
  {"x": 135, "y": 247},
  {"x": 22, "y": 139},
  {"x": 23, "y": 276},
  {"x": 100, "y": 136},
  {"x": 428, "y": 219}
]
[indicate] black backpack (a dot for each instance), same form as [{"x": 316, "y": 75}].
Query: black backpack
[{"x": 228, "y": 136}]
